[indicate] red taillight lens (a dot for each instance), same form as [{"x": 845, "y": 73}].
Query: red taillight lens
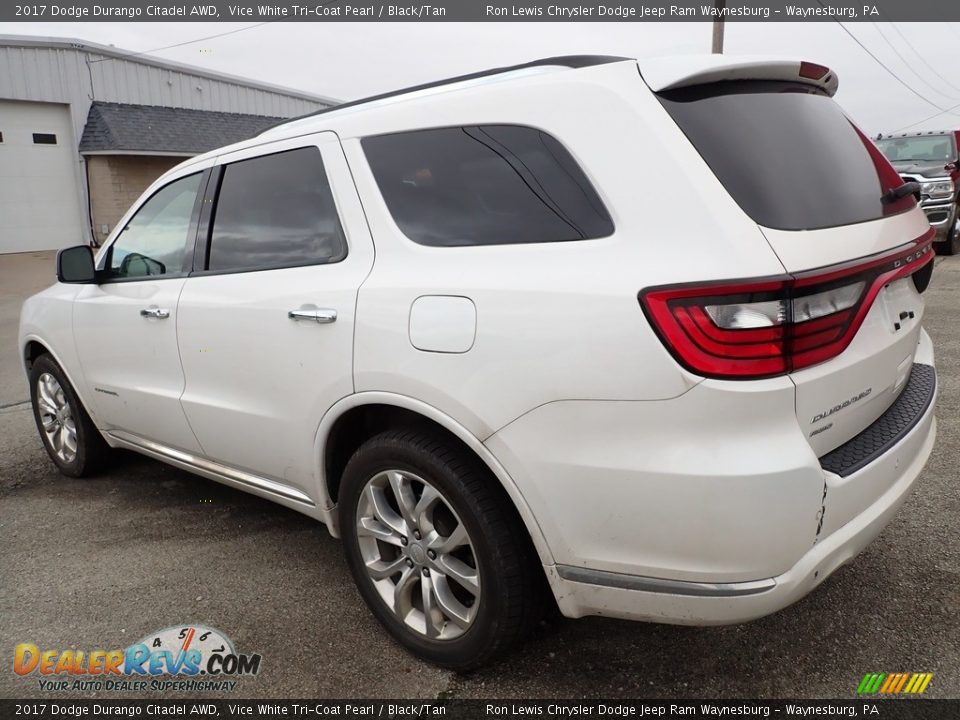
[
  {"x": 812, "y": 70},
  {"x": 773, "y": 326}
]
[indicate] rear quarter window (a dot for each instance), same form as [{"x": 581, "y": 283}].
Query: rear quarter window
[
  {"x": 485, "y": 185},
  {"x": 784, "y": 151}
]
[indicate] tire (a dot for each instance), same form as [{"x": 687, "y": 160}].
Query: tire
[
  {"x": 69, "y": 436},
  {"x": 951, "y": 245},
  {"x": 471, "y": 623}
]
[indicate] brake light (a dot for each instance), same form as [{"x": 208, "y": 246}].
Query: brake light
[
  {"x": 812, "y": 70},
  {"x": 765, "y": 327}
]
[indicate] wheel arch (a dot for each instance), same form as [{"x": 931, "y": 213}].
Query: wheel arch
[
  {"x": 353, "y": 419},
  {"x": 32, "y": 347}
]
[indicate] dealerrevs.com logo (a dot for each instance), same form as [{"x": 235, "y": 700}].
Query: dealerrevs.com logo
[{"x": 182, "y": 657}]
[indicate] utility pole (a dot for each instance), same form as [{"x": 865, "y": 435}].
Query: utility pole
[{"x": 718, "y": 28}]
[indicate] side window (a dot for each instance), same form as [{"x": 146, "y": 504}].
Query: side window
[
  {"x": 155, "y": 239},
  {"x": 275, "y": 211},
  {"x": 485, "y": 185}
]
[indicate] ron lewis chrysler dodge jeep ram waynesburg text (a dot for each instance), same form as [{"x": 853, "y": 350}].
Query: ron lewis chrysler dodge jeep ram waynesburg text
[{"x": 472, "y": 330}]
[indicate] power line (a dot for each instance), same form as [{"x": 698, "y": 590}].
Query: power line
[
  {"x": 907, "y": 63},
  {"x": 181, "y": 44},
  {"x": 887, "y": 68},
  {"x": 926, "y": 119},
  {"x": 922, "y": 59}
]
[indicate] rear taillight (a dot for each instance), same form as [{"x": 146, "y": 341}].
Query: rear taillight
[{"x": 772, "y": 326}]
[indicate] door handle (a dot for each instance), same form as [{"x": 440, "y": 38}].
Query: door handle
[
  {"x": 155, "y": 312},
  {"x": 317, "y": 315}
]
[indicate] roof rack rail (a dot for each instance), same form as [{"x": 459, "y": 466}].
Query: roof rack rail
[{"x": 569, "y": 61}]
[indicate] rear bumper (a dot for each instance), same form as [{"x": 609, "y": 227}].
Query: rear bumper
[
  {"x": 582, "y": 592},
  {"x": 710, "y": 508}
]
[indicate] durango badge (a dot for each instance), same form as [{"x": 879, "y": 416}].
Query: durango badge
[{"x": 837, "y": 408}]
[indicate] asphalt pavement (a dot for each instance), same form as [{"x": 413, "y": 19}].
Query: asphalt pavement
[{"x": 100, "y": 563}]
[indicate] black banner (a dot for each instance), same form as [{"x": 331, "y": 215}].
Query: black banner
[
  {"x": 481, "y": 11},
  {"x": 563, "y": 709}
]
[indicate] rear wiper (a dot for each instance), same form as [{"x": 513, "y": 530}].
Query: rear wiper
[{"x": 908, "y": 188}]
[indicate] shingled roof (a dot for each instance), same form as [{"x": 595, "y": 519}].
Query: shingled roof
[{"x": 149, "y": 128}]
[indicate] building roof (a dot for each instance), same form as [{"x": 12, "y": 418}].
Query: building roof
[
  {"x": 146, "y": 129},
  {"x": 110, "y": 51}
]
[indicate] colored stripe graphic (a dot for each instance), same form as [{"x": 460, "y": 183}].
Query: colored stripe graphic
[
  {"x": 871, "y": 683},
  {"x": 894, "y": 683}
]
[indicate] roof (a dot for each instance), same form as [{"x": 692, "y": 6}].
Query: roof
[
  {"x": 440, "y": 102},
  {"x": 660, "y": 73},
  {"x": 143, "y": 59},
  {"x": 176, "y": 131},
  {"x": 544, "y": 65},
  {"x": 563, "y": 61}
]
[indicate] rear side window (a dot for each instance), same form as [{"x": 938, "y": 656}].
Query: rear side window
[
  {"x": 485, "y": 185},
  {"x": 784, "y": 151},
  {"x": 275, "y": 211}
]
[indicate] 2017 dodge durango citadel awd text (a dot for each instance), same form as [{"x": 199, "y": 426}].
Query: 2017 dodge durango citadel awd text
[{"x": 642, "y": 341}]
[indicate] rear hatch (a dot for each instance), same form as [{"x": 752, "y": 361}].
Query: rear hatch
[{"x": 847, "y": 312}]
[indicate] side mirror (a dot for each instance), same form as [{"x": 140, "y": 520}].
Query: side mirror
[
  {"x": 75, "y": 265},
  {"x": 950, "y": 167}
]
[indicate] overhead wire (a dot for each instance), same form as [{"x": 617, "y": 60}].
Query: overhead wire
[
  {"x": 907, "y": 63},
  {"x": 123, "y": 56},
  {"x": 942, "y": 110},
  {"x": 922, "y": 58}
]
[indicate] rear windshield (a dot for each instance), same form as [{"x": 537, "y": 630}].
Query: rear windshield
[
  {"x": 784, "y": 151},
  {"x": 924, "y": 148}
]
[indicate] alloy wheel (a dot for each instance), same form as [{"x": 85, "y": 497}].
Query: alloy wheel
[
  {"x": 56, "y": 417},
  {"x": 418, "y": 554}
]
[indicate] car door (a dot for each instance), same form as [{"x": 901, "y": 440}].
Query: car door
[
  {"x": 266, "y": 319},
  {"x": 125, "y": 326}
]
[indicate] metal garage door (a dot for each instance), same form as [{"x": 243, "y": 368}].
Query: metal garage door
[{"x": 39, "y": 199}]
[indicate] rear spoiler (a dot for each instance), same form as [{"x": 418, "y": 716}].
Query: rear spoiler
[{"x": 668, "y": 73}]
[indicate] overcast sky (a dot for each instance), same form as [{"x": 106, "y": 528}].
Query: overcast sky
[{"x": 350, "y": 60}]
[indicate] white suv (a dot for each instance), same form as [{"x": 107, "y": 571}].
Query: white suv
[{"x": 645, "y": 340}]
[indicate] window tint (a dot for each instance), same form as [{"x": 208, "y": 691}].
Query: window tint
[
  {"x": 275, "y": 211},
  {"x": 785, "y": 152},
  {"x": 154, "y": 241},
  {"x": 485, "y": 185}
]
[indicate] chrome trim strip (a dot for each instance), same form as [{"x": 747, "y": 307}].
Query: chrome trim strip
[
  {"x": 208, "y": 468},
  {"x": 659, "y": 585}
]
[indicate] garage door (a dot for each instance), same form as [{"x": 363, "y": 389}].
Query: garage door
[{"x": 39, "y": 201}]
